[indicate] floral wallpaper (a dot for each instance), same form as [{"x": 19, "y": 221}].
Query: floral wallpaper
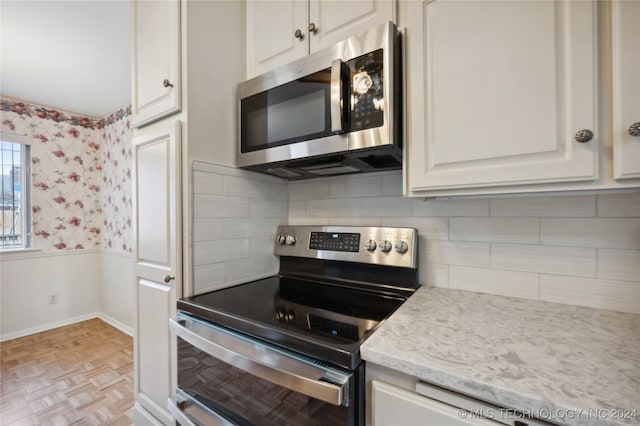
[
  {"x": 116, "y": 162},
  {"x": 81, "y": 176}
]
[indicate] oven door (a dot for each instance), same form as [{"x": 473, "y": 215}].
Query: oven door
[{"x": 227, "y": 378}]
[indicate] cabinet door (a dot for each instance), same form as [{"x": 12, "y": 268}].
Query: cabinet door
[
  {"x": 271, "y": 34},
  {"x": 395, "y": 406},
  {"x": 334, "y": 21},
  {"x": 156, "y": 60},
  {"x": 626, "y": 88},
  {"x": 157, "y": 235},
  {"x": 498, "y": 90}
]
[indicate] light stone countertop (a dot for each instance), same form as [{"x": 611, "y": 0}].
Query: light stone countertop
[{"x": 517, "y": 353}]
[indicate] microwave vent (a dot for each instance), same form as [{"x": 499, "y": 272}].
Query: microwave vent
[{"x": 283, "y": 173}]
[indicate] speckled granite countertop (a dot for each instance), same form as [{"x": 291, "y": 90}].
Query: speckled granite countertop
[{"x": 517, "y": 353}]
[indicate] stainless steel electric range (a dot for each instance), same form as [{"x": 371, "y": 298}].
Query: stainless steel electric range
[{"x": 285, "y": 350}]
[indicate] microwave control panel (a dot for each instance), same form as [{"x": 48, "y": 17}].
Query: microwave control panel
[{"x": 366, "y": 91}]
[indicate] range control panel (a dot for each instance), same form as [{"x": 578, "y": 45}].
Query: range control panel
[
  {"x": 364, "y": 244},
  {"x": 336, "y": 241}
]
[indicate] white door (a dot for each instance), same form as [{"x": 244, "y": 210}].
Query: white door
[
  {"x": 157, "y": 232},
  {"x": 334, "y": 21},
  {"x": 156, "y": 60},
  {"x": 498, "y": 90},
  {"x": 626, "y": 88},
  {"x": 276, "y": 34}
]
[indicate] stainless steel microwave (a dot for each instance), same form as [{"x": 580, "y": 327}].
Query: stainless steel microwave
[{"x": 336, "y": 111}]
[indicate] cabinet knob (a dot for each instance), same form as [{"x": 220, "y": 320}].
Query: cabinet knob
[
  {"x": 634, "y": 129},
  {"x": 169, "y": 278},
  {"x": 312, "y": 28},
  {"x": 167, "y": 83},
  {"x": 584, "y": 136},
  {"x": 298, "y": 34}
]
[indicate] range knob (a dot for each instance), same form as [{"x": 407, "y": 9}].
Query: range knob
[
  {"x": 291, "y": 316},
  {"x": 401, "y": 246},
  {"x": 385, "y": 246},
  {"x": 370, "y": 245},
  {"x": 282, "y": 238},
  {"x": 280, "y": 314},
  {"x": 290, "y": 240}
]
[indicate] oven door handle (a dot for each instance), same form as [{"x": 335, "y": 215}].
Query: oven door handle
[
  {"x": 177, "y": 403},
  {"x": 289, "y": 371}
]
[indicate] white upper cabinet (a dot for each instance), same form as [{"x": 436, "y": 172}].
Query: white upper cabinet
[
  {"x": 626, "y": 88},
  {"x": 279, "y": 32},
  {"x": 156, "y": 81},
  {"x": 498, "y": 93}
]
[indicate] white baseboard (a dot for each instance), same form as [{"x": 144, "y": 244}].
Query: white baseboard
[
  {"x": 45, "y": 327},
  {"x": 116, "y": 324},
  {"x": 104, "y": 317}
]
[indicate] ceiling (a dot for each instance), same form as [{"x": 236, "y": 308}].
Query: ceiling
[{"x": 69, "y": 55}]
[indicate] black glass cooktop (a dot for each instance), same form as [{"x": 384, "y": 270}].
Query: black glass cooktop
[{"x": 322, "y": 320}]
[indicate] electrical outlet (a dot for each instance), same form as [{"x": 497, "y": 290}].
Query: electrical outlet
[{"x": 53, "y": 299}]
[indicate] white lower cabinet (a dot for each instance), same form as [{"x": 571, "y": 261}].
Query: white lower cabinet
[{"x": 394, "y": 406}]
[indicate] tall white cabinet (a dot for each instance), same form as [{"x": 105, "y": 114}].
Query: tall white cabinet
[
  {"x": 281, "y": 31},
  {"x": 193, "y": 118},
  {"x": 158, "y": 257}
]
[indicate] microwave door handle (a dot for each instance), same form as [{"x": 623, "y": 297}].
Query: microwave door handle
[{"x": 337, "y": 97}]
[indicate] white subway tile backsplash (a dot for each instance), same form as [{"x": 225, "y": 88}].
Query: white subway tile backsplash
[
  {"x": 392, "y": 184},
  {"x": 246, "y": 188},
  {"x": 500, "y": 230},
  {"x": 250, "y": 268},
  {"x": 248, "y": 227},
  {"x": 578, "y": 249},
  {"x": 596, "y": 232},
  {"x": 267, "y": 208},
  {"x": 215, "y": 252},
  {"x": 297, "y": 209},
  {"x": 220, "y": 206},
  {"x": 340, "y": 207},
  {"x": 619, "y": 205},
  {"x": 435, "y": 228},
  {"x": 209, "y": 229},
  {"x": 279, "y": 191},
  {"x": 619, "y": 264},
  {"x": 261, "y": 246},
  {"x": 558, "y": 206},
  {"x": 355, "y": 186},
  {"x": 433, "y": 275},
  {"x": 228, "y": 244},
  {"x": 354, "y": 221},
  {"x": 308, "y": 221},
  {"x": 207, "y": 277},
  {"x": 621, "y": 296},
  {"x": 381, "y": 207},
  {"x": 309, "y": 190},
  {"x": 456, "y": 253},
  {"x": 494, "y": 281},
  {"x": 544, "y": 259},
  {"x": 208, "y": 184},
  {"x": 449, "y": 208}
]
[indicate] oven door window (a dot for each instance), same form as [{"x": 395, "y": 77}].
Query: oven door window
[
  {"x": 294, "y": 112},
  {"x": 246, "y": 381}
]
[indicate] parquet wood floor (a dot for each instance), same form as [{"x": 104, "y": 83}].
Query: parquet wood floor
[{"x": 80, "y": 374}]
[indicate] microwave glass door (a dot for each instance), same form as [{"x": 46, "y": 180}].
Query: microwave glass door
[{"x": 296, "y": 111}]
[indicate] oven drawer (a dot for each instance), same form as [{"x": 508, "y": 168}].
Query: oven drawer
[{"x": 244, "y": 381}]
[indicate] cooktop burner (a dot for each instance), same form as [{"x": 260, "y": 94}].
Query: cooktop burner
[{"x": 334, "y": 288}]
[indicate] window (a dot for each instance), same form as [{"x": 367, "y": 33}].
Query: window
[{"x": 15, "y": 199}]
